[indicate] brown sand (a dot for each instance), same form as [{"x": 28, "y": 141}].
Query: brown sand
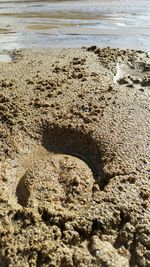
[{"x": 75, "y": 133}]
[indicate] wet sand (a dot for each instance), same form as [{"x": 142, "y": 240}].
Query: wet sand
[{"x": 75, "y": 132}]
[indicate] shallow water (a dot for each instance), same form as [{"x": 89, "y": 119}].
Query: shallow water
[
  {"x": 5, "y": 58},
  {"x": 30, "y": 23}
]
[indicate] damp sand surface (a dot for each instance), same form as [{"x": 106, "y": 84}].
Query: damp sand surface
[
  {"x": 27, "y": 24},
  {"x": 75, "y": 166}
]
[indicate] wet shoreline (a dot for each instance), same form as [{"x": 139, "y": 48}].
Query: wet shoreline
[{"x": 43, "y": 24}]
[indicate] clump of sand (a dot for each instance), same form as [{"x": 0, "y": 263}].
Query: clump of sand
[{"x": 75, "y": 132}]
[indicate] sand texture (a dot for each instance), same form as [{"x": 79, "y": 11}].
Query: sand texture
[{"x": 75, "y": 158}]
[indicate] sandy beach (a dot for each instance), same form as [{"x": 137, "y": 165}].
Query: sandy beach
[{"x": 75, "y": 158}]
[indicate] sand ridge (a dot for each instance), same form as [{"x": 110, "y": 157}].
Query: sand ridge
[{"x": 75, "y": 160}]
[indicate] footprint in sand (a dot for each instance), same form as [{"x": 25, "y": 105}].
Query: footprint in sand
[
  {"x": 58, "y": 184},
  {"x": 56, "y": 179},
  {"x": 63, "y": 170},
  {"x": 128, "y": 73}
]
